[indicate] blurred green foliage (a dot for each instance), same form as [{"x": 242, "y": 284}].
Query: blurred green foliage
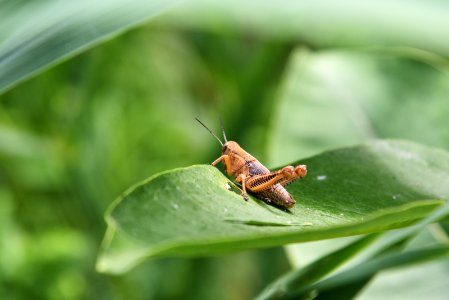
[{"x": 76, "y": 136}]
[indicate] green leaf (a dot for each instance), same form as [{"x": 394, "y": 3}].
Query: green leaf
[
  {"x": 190, "y": 211},
  {"x": 344, "y": 98},
  {"x": 369, "y": 268},
  {"x": 316, "y": 270},
  {"x": 411, "y": 283},
  {"x": 302, "y": 281},
  {"x": 409, "y": 280},
  {"x": 38, "y": 34},
  {"x": 324, "y": 23},
  {"x": 35, "y": 35}
]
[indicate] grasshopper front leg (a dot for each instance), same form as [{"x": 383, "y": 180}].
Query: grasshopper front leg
[
  {"x": 284, "y": 176},
  {"x": 242, "y": 180},
  {"x": 227, "y": 162}
]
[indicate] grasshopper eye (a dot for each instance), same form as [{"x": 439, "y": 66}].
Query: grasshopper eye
[{"x": 224, "y": 148}]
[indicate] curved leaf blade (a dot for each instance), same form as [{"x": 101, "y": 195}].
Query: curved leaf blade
[
  {"x": 345, "y": 98},
  {"x": 316, "y": 270},
  {"x": 369, "y": 268},
  {"x": 304, "y": 280},
  {"x": 37, "y": 35},
  {"x": 349, "y": 191},
  {"x": 324, "y": 23}
]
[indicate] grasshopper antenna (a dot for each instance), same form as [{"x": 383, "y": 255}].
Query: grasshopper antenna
[
  {"x": 221, "y": 143},
  {"x": 222, "y": 130}
]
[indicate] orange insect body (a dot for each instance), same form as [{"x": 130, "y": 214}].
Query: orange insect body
[{"x": 255, "y": 177}]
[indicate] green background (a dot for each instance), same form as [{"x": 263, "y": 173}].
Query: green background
[{"x": 96, "y": 97}]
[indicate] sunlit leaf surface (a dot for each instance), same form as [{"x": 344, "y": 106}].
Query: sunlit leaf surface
[{"x": 191, "y": 211}]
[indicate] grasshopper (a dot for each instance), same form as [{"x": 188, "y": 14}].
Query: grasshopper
[{"x": 254, "y": 176}]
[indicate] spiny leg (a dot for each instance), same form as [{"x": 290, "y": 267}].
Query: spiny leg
[
  {"x": 283, "y": 176},
  {"x": 260, "y": 182}
]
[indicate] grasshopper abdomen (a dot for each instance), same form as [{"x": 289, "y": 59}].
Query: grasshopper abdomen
[{"x": 278, "y": 195}]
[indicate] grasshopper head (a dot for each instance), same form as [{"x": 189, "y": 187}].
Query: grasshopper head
[{"x": 229, "y": 147}]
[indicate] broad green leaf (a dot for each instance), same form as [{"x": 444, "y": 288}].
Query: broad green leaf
[
  {"x": 324, "y": 23},
  {"x": 408, "y": 282},
  {"x": 345, "y": 97},
  {"x": 35, "y": 35},
  {"x": 351, "y": 191},
  {"x": 303, "y": 280},
  {"x": 371, "y": 267},
  {"x": 300, "y": 255},
  {"x": 316, "y": 270},
  {"x": 342, "y": 98}
]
